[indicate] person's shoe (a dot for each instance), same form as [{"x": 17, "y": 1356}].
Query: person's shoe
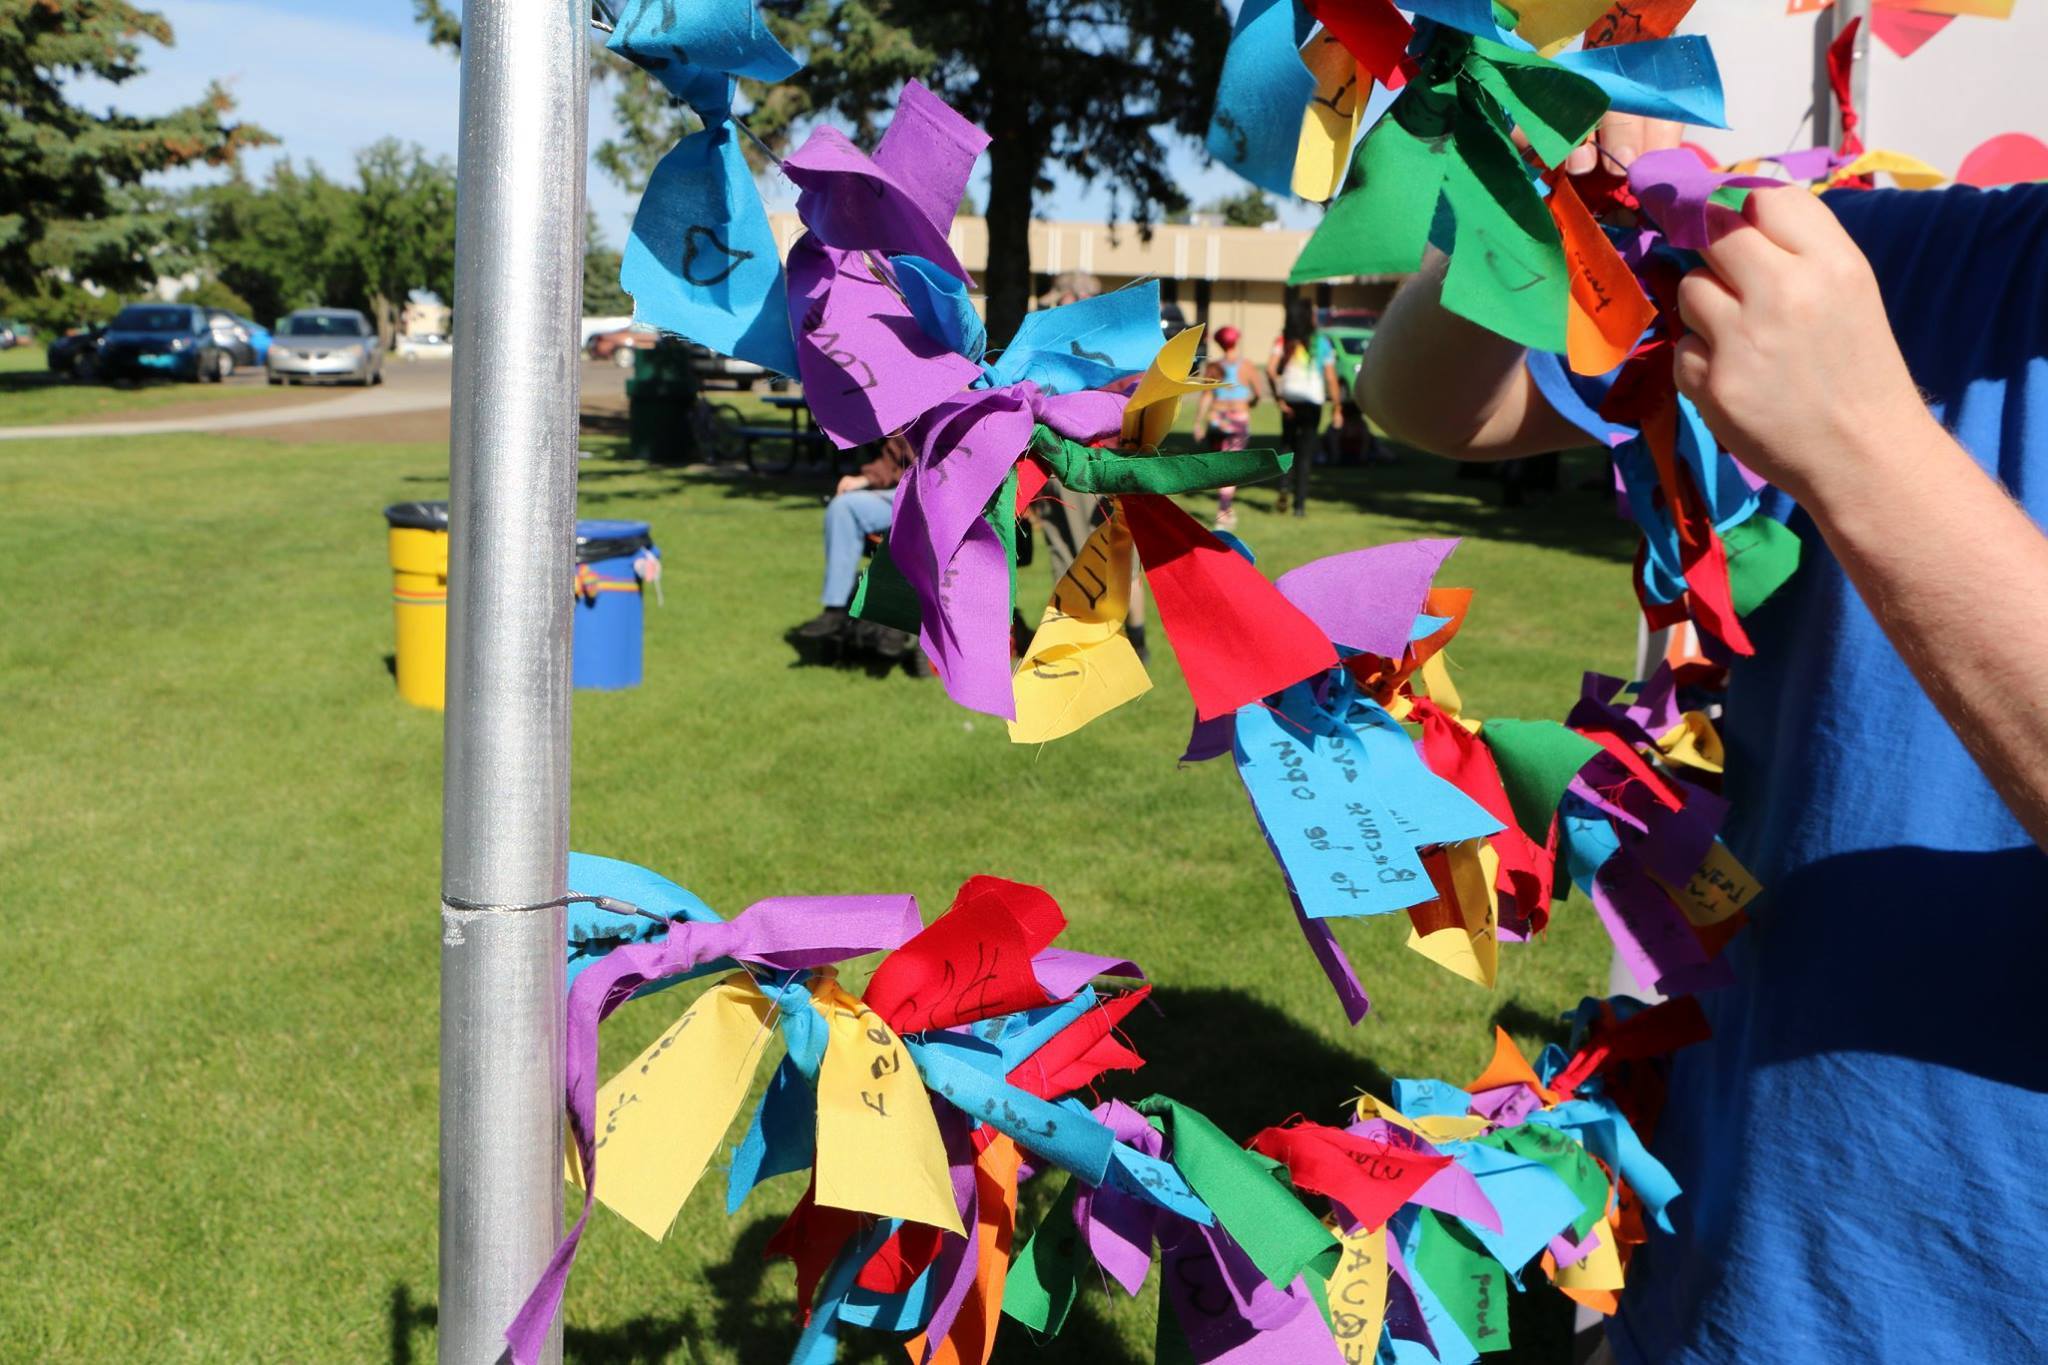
[
  {"x": 826, "y": 625},
  {"x": 1136, "y": 635},
  {"x": 892, "y": 644},
  {"x": 1280, "y": 504}
]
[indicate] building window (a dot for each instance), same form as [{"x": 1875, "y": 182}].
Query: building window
[{"x": 1202, "y": 302}]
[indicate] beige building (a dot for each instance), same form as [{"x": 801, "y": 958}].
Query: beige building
[{"x": 1221, "y": 276}]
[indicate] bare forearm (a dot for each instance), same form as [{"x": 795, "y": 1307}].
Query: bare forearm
[
  {"x": 1437, "y": 382},
  {"x": 1956, "y": 573}
]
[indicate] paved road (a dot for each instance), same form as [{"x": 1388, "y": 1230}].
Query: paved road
[{"x": 418, "y": 387}]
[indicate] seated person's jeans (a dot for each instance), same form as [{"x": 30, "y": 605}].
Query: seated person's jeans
[{"x": 850, "y": 519}]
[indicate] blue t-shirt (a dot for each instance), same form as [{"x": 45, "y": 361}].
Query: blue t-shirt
[{"x": 1862, "y": 1143}]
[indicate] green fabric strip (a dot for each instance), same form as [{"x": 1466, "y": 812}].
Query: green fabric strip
[
  {"x": 885, "y": 596},
  {"x": 1762, "y": 554},
  {"x": 1283, "y": 1239},
  {"x": 1045, "y": 1279},
  {"x": 1537, "y": 760},
  {"x": 1088, "y": 469}
]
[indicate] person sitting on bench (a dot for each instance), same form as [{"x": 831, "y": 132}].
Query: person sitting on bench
[{"x": 861, "y": 507}]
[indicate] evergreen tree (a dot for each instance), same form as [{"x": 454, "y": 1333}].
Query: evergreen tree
[{"x": 67, "y": 210}]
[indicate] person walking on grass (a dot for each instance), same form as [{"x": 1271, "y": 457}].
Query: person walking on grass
[
  {"x": 1859, "y": 1141},
  {"x": 1303, "y": 369},
  {"x": 1223, "y": 415}
]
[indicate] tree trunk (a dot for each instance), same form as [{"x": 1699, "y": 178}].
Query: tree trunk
[
  {"x": 1014, "y": 155},
  {"x": 384, "y": 316}
]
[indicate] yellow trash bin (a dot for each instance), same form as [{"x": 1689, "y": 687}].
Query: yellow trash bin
[{"x": 419, "y": 599}]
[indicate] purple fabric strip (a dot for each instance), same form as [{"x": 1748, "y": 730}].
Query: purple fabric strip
[
  {"x": 1674, "y": 187},
  {"x": 1656, "y": 704},
  {"x": 1651, "y": 934},
  {"x": 868, "y": 369},
  {"x": 1062, "y": 971},
  {"x": 1119, "y": 1228},
  {"x": 1368, "y": 599},
  {"x": 1566, "y": 1252},
  {"x": 1229, "y": 1317},
  {"x": 1671, "y": 844},
  {"x": 1610, "y": 773},
  {"x": 959, "y": 1257},
  {"x": 1301, "y": 1338},
  {"x": 1322, "y": 941},
  {"x": 1596, "y": 704},
  {"x": 1404, "y": 1310},
  {"x": 950, "y": 555},
  {"x": 849, "y": 202},
  {"x": 1505, "y": 1106},
  {"x": 1210, "y": 739},
  {"x": 1455, "y": 1191},
  {"x": 790, "y": 933},
  {"x": 1810, "y": 163},
  {"x": 930, "y": 151}
]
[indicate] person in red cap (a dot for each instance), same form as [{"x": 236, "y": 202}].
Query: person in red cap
[{"x": 1223, "y": 415}]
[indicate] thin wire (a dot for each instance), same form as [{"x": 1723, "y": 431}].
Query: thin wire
[
  {"x": 602, "y": 16},
  {"x": 609, "y": 904},
  {"x": 755, "y": 138}
]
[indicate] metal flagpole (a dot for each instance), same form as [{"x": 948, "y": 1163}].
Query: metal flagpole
[
  {"x": 1838, "y": 18},
  {"x": 519, "y": 225}
]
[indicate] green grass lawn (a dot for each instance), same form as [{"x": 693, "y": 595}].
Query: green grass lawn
[
  {"x": 21, "y": 359},
  {"x": 219, "y": 835},
  {"x": 31, "y": 396}
]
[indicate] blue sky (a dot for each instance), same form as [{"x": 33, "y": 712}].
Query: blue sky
[{"x": 331, "y": 76}]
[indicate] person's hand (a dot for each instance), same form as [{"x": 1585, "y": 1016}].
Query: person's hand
[
  {"x": 851, "y": 483},
  {"x": 1791, "y": 359},
  {"x": 1623, "y": 137},
  {"x": 1337, "y": 417}
]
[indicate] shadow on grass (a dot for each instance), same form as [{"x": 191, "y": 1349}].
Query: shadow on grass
[
  {"x": 1516, "y": 1017},
  {"x": 1426, "y": 492},
  {"x": 1251, "y": 1065}
]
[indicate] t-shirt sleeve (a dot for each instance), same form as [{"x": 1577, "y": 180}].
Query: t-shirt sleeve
[{"x": 1964, "y": 275}]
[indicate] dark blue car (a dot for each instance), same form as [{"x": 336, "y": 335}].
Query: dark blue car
[{"x": 166, "y": 340}]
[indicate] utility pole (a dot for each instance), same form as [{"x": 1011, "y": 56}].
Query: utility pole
[{"x": 505, "y": 796}]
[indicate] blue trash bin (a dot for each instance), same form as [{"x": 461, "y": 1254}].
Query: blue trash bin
[{"x": 611, "y": 564}]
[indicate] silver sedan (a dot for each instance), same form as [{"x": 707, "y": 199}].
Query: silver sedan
[{"x": 329, "y": 345}]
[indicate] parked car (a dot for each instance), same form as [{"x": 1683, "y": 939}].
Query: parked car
[
  {"x": 76, "y": 354},
  {"x": 1350, "y": 332},
  {"x": 248, "y": 342},
  {"x": 711, "y": 366},
  {"x": 173, "y": 340},
  {"x": 427, "y": 346},
  {"x": 325, "y": 345},
  {"x": 619, "y": 344},
  {"x": 14, "y": 334}
]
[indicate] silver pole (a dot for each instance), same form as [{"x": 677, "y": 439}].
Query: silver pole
[
  {"x": 1836, "y": 20},
  {"x": 505, "y": 799}
]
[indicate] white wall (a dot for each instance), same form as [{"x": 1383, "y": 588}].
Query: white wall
[{"x": 1974, "y": 79}]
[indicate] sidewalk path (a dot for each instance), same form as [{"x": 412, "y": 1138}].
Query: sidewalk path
[{"x": 378, "y": 402}]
